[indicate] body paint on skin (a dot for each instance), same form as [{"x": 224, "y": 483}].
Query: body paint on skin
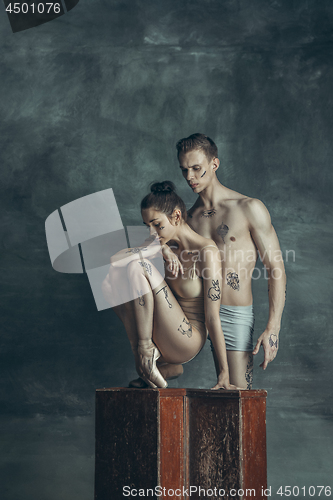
[
  {"x": 165, "y": 291},
  {"x": 146, "y": 267},
  {"x": 273, "y": 340},
  {"x": 222, "y": 230},
  {"x": 233, "y": 281},
  {"x": 214, "y": 293},
  {"x": 136, "y": 250},
  {"x": 249, "y": 373},
  {"x": 208, "y": 213},
  {"x": 187, "y": 332},
  {"x": 141, "y": 298}
]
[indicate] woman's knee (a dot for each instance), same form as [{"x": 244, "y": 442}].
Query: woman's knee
[{"x": 139, "y": 267}]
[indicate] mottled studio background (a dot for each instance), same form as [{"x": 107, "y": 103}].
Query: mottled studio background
[{"x": 98, "y": 98}]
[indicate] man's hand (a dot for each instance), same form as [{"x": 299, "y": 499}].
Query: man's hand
[
  {"x": 270, "y": 343},
  {"x": 174, "y": 264}
]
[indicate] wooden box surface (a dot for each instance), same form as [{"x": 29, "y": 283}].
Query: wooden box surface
[{"x": 179, "y": 440}]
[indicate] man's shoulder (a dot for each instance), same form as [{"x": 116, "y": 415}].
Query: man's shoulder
[
  {"x": 255, "y": 212},
  {"x": 252, "y": 208},
  {"x": 234, "y": 200},
  {"x": 248, "y": 203},
  {"x": 232, "y": 197}
]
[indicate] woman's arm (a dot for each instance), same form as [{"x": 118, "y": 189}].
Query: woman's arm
[
  {"x": 212, "y": 279},
  {"x": 150, "y": 248}
]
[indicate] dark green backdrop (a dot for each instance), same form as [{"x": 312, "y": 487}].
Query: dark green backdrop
[{"x": 97, "y": 99}]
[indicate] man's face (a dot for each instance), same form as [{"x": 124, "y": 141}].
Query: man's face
[{"x": 197, "y": 170}]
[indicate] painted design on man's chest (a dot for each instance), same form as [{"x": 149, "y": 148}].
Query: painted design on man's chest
[
  {"x": 233, "y": 281},
  {"x": 222, "y": 230},
  {"x": 208, "y": 213}
]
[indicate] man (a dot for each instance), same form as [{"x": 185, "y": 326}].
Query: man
[{"x": 240, "y": 226}]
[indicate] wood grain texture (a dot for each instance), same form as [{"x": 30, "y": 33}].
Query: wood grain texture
[
  {"x": 254, "y": 455},
  {"x": 175, "y": 438},
  {"x": 171, "y": 445},
  {"x": 213, "y": 440},
  {"x": 126, "y": 441}
]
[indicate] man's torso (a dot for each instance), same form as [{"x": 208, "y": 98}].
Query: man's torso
[{"x": 227, "y": 225}]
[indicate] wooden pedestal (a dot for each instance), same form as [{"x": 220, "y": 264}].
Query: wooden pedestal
[{"x": 181, "y": 440}]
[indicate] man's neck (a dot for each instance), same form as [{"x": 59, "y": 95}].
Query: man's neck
[{"x": 213, "y": 194}]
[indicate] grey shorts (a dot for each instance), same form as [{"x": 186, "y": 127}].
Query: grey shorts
[{"x": 237, "y": 324}]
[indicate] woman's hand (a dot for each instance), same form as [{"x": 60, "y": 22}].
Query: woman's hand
[
  {"x": 173, "y": 263},
  {"x": 224, "y": 383}
]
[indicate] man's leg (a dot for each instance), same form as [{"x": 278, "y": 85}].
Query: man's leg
[
  {"x": 237, "y": 324},
  {"x": 240, "y": 368},
  {"x": 240, "y": 365}
]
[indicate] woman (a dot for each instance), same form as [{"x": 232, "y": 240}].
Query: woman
[{"x": 171, "y": 315}]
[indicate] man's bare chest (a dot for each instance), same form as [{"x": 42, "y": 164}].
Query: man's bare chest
[{"x": 225, "y": 226}]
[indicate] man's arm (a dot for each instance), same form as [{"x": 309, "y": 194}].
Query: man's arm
[
  {"x": 267, "y": 243},
  {"x": 212, "y": 279}
]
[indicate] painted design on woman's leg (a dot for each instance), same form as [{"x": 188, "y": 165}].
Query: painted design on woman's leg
[
  {"x": 146, "y": 266},
  {"x": 185, "y": 328},
  {"x": 141, "y": 298},
  {"x": 165, "y": 291}
]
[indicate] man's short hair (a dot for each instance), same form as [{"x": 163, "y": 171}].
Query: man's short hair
[{"x": 197, "y": 141}]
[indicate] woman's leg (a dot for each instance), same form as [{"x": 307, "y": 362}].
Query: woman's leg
[
  {"x": 159, "y": 317},
  {"x": 116, "y": 283}
]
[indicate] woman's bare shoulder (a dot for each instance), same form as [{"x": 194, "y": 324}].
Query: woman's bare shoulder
[{"x": 207, "y": 246}]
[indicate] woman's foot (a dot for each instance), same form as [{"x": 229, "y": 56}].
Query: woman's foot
[
  {"x": 148, "y": 371},
  {"x": 168, "y": 372}
]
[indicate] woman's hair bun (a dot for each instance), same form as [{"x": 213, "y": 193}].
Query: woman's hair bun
[
  {"x": 163, "y": 198},
  {"x": 163, "y": 187}
]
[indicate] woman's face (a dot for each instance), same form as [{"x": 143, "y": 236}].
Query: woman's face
[{"x": 159, "y": 224}]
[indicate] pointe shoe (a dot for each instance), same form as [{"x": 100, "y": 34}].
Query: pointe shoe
[
  {"x": 139, "y": 383},
  {"x": 148, "y": 355}
]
